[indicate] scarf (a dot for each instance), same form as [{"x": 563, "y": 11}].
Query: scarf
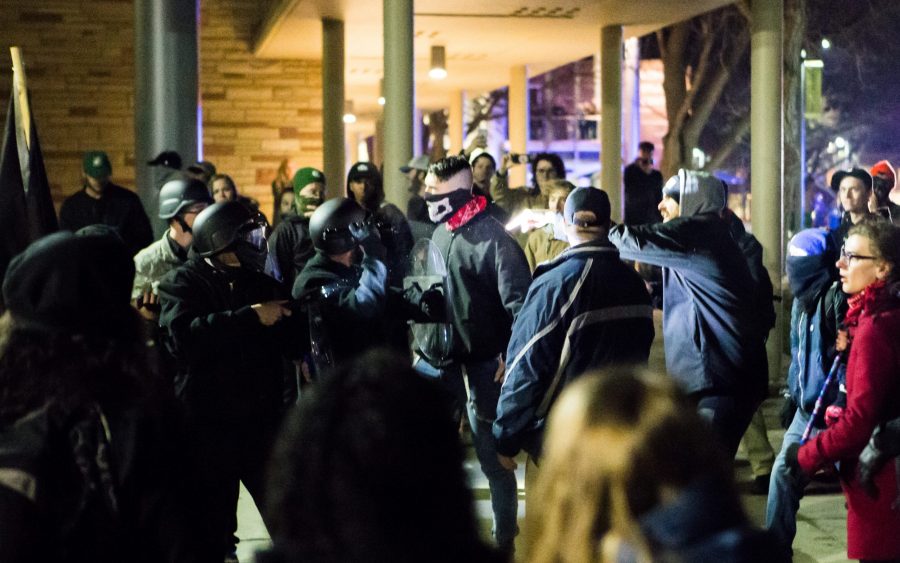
[{"x": 465, "y": 214}]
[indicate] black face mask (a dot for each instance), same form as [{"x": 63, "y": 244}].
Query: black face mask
[
  {"x": 809, "y": 276},
  {"x": 250, "y": 257},
  {"x": 442, "y": 206}
]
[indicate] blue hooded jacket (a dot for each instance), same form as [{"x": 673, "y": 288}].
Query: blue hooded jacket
[{"x": 714, "y": 336}]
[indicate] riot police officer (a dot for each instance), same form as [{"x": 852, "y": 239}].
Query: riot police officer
[
  {"x": 180, "y": 201},
  {"x": 228, "y": 326},
  {"x": 345, "y": 283}
]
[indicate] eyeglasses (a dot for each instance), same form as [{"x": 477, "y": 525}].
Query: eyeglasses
[{"x": 849, "y": 257}]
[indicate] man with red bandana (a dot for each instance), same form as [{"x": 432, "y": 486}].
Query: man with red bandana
[{"x": 487, "y": 279}]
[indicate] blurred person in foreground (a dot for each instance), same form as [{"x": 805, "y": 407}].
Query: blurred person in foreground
[
  {"x": 870, "y": 273},
  {"x": 631, "y": 473},
  {"x": 91, "y": 449},
  {"x": 369, "y": 469}
]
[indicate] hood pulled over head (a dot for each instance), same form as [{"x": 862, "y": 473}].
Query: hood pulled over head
[{"x": 696, "y": 192}]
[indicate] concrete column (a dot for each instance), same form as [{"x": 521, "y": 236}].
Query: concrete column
[
  {"x": 455, "y": 121},
  {"x": 333, "y": 138},
  {"x": 611, "y": 116},
  {"x": 631, "y": 100},
  {"x": 167, "y": 112},
  {"x": 400, "y": 97},
  {"x": 766, "y": 151},
  {"x": 518, "y": 118}
]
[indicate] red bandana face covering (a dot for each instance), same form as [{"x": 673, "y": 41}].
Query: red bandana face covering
[{"x": 475, "y": 206}]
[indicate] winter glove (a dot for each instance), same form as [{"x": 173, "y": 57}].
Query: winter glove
[
  {"x": 433, "y": 305},
  {"x": 883, "y": 445},
  {"x": 369, "y": 240},
  {"x": 788, "y": 410}
]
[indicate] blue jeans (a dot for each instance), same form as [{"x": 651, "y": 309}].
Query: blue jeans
[
  {"x": 728, "y": 415},
  {"x": 785, "y": 491},
  {"x": 481, "y": 406}
]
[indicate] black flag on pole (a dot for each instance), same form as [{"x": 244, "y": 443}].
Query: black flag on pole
[{"x": 26, "y": 207}]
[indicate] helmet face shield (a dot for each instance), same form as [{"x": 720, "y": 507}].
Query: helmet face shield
[{"x": 254, "y": 235}]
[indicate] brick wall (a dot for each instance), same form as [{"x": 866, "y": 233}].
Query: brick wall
[
  {"x": 80, "y": 67},
  {"x": 255, "y": 112}
]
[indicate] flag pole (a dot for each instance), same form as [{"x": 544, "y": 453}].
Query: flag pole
[{"x": 21, "y": 91}]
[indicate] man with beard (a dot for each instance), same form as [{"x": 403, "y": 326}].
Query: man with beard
[
  {"x": 106, "y": 203},
  {"x": 290, "y": 241},
  {"x": 487, "y": 280},
  {"x": 715, "y": 342}
]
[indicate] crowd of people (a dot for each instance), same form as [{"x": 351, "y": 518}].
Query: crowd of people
[{"x": 330, "y": 361}]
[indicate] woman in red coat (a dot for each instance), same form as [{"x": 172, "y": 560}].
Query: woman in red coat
[{"x": 870, "y": 273}]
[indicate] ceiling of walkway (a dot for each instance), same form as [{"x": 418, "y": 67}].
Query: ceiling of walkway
[{"x": 483, "y": 39}]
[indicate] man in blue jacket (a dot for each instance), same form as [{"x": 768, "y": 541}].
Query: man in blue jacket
[
  {"x": 584, "y": 310},
  {"x": 819, "y": 306},
  {"x": 714, "y": 339}
]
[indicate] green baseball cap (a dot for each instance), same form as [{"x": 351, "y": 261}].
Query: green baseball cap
[
  {"x": 306, "y": 176},
  {"x": 96, "y": 164}
]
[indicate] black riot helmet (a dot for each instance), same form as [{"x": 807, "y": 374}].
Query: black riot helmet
[
  {"x": 218, "y": 227},
  {"x": 180, "y": 193},
  {"x": 329, "y": 225}
]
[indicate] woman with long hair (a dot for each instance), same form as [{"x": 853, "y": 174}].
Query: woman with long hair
[
  {"x": 89, "y": 461},
  {"x": 870, "y": 273},
  {"x": 631, "y": 473}
]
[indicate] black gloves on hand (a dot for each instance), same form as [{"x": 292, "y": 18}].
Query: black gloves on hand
[
  {"x": 433, "y": 305},
  {"x": 883, "y": 445},
  {"x": 368, "y": 238},
  {"x": 788, "y": 409}
]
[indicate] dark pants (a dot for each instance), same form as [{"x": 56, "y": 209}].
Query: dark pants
[
  {"x": 729, "y": 416},
  {"x": 227, "y": 453}
]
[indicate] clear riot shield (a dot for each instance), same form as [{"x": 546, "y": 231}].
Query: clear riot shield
[{"x": 427, "y": 279}]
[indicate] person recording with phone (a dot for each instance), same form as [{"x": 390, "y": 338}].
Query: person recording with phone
[
  {"x": 545, "y": 167},
  {"x": 643, "y": 188}
]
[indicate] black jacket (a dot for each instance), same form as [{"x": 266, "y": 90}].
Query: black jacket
[
  {"x": 488, "y": 278},
  {"x": 643, "y": 193},
  {"x": 397, "y": 238},
  {"x": 291, "y": 246},
  {"x": 714, "y": 336},
  {"x": 122, "y": 498},
  {"x": 229, "y": 364},
  {"x": 118, "y": 207},
  {"x": 352, "y": 302}
]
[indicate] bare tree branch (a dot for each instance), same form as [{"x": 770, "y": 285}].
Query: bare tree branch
[
  {"x": 733, "y": 141},
  {"x": 712, "y": 94}
]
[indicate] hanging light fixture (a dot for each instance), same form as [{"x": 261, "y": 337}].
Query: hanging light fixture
[
  {"x": 438, "y": 69},
  {"x": 349, "y": 116},
  {"x": 381, "y": 92}
]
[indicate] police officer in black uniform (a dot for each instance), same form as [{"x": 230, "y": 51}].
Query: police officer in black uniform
[
  {"x": 228, "y": 326},
  {"x": 344, "y": 284}
]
